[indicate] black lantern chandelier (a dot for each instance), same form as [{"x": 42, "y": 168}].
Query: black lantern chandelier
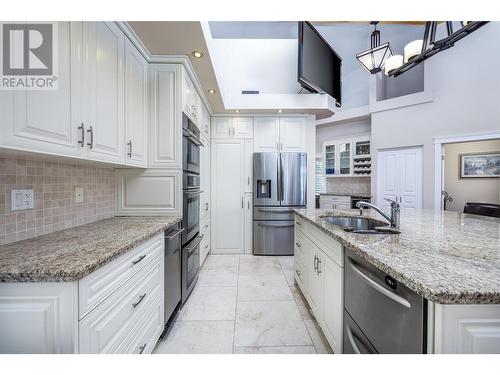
[{"x": 373, "y": 59}]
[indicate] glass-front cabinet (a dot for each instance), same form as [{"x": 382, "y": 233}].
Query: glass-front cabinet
[{"x": 347, "y": 157}]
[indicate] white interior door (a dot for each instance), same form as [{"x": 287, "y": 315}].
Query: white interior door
[
  {"x": 227, "y": 196},
  {"x": 266, "y": 134},
  {"x": 400, "y": 176}
]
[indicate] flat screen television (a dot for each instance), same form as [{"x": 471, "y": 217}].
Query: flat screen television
[{"x": 320, "y": 67}]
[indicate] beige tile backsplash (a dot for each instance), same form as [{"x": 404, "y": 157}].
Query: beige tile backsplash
[
  {"x": 54, "y": 186},
  {"x": 349, "y": 185}
]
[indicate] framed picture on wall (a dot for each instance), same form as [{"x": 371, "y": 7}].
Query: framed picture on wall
[{"x": 480, "y": 165}]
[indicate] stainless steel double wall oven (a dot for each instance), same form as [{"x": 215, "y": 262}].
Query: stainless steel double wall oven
[{"x": 191, "y": 238}]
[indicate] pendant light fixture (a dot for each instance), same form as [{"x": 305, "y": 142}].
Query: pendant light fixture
[{"x": 373, "y": 59}]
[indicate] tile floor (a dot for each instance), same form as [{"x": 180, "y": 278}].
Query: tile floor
[{"x": 245, "y": 304}]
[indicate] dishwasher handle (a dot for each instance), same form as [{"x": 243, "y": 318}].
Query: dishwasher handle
[{"x": 395, "y": 297}]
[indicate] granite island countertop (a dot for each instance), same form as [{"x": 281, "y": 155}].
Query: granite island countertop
[
  {"x": 73, "y": 253},
  {"x": 446, "y": 257}
]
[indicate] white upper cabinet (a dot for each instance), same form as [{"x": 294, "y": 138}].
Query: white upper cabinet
[
  {"x": 190, "y": 99},
  {"x": 287, "y": 134},
  {"x": 242, "y": 127},
  {"x": 232, "y": 128},
  {"x": 165, "y": 135},
  {"x": 103, "y": 112},
  {"x": 41, "y": 120},
  {"x": 136, "y": 70},
  {"x": 292, "y": 134},
  {"x": 205, "y": 179},
  {"x": 266, "y": 134}
]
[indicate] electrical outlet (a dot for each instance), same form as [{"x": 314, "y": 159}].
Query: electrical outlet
[
  {"x": 79, "y": 194},
  {"x": 22, "y": 199}
]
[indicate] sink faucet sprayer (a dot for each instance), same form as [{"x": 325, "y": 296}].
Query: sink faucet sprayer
[{"x": 393, "y": 218}]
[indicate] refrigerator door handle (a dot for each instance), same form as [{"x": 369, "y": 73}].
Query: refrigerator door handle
[
  {"x": 278, "y": 181},
  {"x": 281, "y": 179}
]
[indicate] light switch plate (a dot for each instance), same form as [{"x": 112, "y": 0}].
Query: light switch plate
[
  {"x": 22, "y": 199},
  {"x": 78, "y": 194}
]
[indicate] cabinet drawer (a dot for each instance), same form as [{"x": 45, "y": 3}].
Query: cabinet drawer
[
  {"x": 299, "y": 246},
  {"x": 205, "y": 227},
  {"x": 99, "y": 285},
  {"x": 105, "y": 327},
  {"x": 143, "y": 337},
  {"x": 300, "y": 275}
]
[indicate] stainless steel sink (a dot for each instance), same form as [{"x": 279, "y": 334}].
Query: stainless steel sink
[{"x": 358, "y": 224}]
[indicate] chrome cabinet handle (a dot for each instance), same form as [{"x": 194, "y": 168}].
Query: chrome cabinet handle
[
  {"x": 248, "y": 205},
  {"x": 319, "y": 266},
  {"x": 314, "y": 263},
  {"x": 298, "y": 223},
  {"x": 141, "y": 298},
  {"x": 139, "y": 259},
  {"x": 141, "y": 348},
  {"x": 129, "y": 144},
  {"x": 242, "y": 202},
  {"x": 248, "y": 180},
  {"x": 298, "y": 244},
  {"x": 82, "y": 134},
  {"x": 395, "y": 297},
  {"x": 91, "y": 132},
  {"x": 206, "y": 246},
  {"x": 206, "y": 206}
]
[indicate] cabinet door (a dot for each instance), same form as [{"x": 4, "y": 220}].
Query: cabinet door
[
  {"x": 227, "y": 182},
  {"x": 205, "y": 180},
  {"x": 206, "y": 124},
  {"x": 266, "y": 134},
  {"x": 165, "y": 135},
  {"x": 221, "y": 127},
  {"x": 41, "y": 120},
  {"x": 344, "y": 160},
  {"x": 248, "y": 166},
  {"x": 248, "y": 223},
  {"x": 333, "y": 302},
  {"x": 103, "y": 55},
  {"x": 330, "y": 157},
  {"x": 135, "y": 105},
  {"x": 242, "y": 127},
  {"x": 316, "y": 283},
  {"x": 187, "y": 95},
  {"x": 293, "y": 134}
]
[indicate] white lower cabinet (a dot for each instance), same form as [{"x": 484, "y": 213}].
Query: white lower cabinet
[
  {"x": 205, "y": 241},
  {"x": 248, "y": 223},
  {"x": 319, "y": 274},
  {"x": 116, "y": 309},
  {"x": 466, "y": 329}
]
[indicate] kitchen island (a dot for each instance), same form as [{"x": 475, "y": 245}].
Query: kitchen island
[
  {"x": 450, "y": 259},
  {"x": 95, "y": 288}
]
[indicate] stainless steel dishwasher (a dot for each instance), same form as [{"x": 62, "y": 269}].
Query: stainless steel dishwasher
[
  {"x": 172, "y": 276},
  {"x": 381, "y": 315}
]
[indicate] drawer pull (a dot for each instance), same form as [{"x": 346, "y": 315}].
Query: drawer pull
[
  {"x": 206, "y": 246},
  {"x": 141, "y": 348},
  {"x": 298, "y": 223},
  {"x": 139, "y": 259},
  {"x": 134, "y": 305},
  {"x": 298, "y": 244}
]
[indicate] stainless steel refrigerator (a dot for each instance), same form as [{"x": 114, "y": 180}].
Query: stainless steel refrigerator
[{"x": 280, "y": 185}]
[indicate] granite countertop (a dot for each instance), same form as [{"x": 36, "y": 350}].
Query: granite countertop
[
  {"x": 446, "y": 257},
  {"x": 73, "y": 253}
]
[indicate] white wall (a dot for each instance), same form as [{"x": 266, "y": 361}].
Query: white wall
[
  {"x": 464, "y": 190},
  {"x": 466, "y": 85}
]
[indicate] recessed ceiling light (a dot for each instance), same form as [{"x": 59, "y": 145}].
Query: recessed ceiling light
[
  {"x": 237, "y": 111},
  {"x": 280, "y": 110},
  {"x": 211, "y": 91},
  {"x": 197, "y": 54}
]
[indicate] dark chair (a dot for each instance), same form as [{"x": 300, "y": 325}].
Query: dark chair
[{"x": 485, "y": 209}]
